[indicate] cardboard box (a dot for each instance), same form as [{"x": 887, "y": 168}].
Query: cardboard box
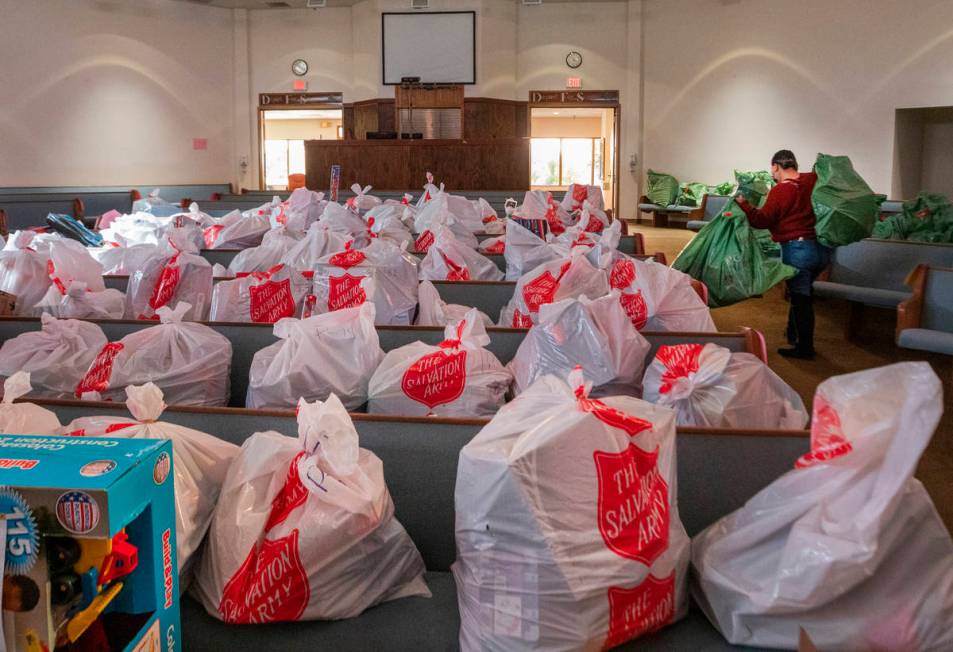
[{"x": 90, "y": 544}]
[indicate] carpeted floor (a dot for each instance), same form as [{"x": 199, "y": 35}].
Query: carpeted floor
[{"x": 873, "y": 346}]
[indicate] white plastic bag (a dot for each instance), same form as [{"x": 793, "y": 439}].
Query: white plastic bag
[
  {"x": 317, "y": 243},
  {"x": 551, "y": 282},
  {"x": 341, "y": 220},
  {"x": 79, "y": 302},
  {"x": 593, "y": 334},
  {"x": 337, "y": 281},
  {"x": 568, "y": 534},
  {"x": 524, "y": 251},
  {"x": 659, "y": 298},
  {"x": 199, "y": 466},
  {"x": 333, "y": 353},
  {"x": 260, "y": 297},
  {"x": 434, "y": 214},
  {"x": 457, "y": 378},
  {"x": 276, "y": 244},
  {"x": 70, "y": 261},
  {"x": 305, "y": 529},
  {"x": 592, "y": 219},
  {"x": 153, "y": 203},
  {"x": 170, "y": 277},
  {"x": 306, "y": 203},
  {"x": 495, "y": 245},
  {"x": 24, "y": 272},
  {"x": 239, "y": 230},
  {"x": 385, "y": 222},
  {"x": 361, "y": 201},
  {"x": 540, "y": 205},
  {"x": 190, "y": 362},
  {"x": 56, "y": 356},
  {"x": 434, "y": 311},
  {"x": 448, "y": 259},
  {"x": 24, "y": 418},
  {"x": 848, "y": 545},
  {"x": 123, "y": 261},
  {"x": 708, "y": 385},
  {"x": 577, "y": 194}
]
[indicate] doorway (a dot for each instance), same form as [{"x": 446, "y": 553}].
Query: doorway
[
  {"x": 571, "y": 144},
  {"x": 923, "y": 151},
  {"x": 282, "y": 135}
]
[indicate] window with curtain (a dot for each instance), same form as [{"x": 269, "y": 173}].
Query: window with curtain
[{"x": 558, "y": 162}]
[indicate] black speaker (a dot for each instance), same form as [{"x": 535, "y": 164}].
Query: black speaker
[{"x": 381, "y": 135}]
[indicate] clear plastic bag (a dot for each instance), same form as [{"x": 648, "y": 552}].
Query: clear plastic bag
[
  {"x": 457, "y": 378},
  {"x": 848, "y": 545},
  {"x": 239, "y": 230},
  {"x": 260, "y": 297},
  {"x": 274, "y": 247},
  {"x": 190, "y": 362},
  {"x": 524, "y": 251},
  {"x": 24, "y": 418},
  {"x": 568, "y": 533},
  {"x": 79, "y": 302},
  {"x": 56, "y": 356},
  {"x": 434, "y": 214},
  {"x": 305, "y": 529},
  {"x": 333, "y": 353},
  {"x": 708, "y": 385},
  {"x": 123, "y": 260},
  {"x": 448, "y": 259},
  {"x": 24, "y": 272},
  {"x": 317, "y": 243},
  {"x": 170, "y": 277},
  {"x": 337, "y": 281},
  {"x": 201, "y": 463},
  {"x": 554, "y": 281},
  {"x": 341, "y": 220},
  {"x": 594, "y": 334}
]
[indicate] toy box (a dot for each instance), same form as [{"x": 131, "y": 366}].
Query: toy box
[{"x": 89, "y": 562}]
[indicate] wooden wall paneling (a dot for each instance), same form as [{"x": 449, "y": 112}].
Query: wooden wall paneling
[
  {"x": 386, "y": 120},
  {"x": 365, "y": 118},
  {"x": 347, "y": 121}
]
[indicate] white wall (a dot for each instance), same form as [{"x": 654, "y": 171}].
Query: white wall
[
  {"x": 729, "y": 82},
  {"x": 111, "y": 92}
]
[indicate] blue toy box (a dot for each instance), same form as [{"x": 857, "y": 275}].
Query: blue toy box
[{"x": 89, "y": 562}]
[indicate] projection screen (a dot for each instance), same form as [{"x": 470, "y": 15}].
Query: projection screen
[{"x": 438, "y": 47}]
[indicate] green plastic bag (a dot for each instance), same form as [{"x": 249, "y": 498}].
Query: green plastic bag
[
  {"x": 754, "y": 185},
  {"x": 691, "y": 194},
  {"x": 724, "y": 189},
  {"x": 927, "y": 218},
  {"x": 845, "y": 206},
  {"x": 662, "y": 188},
  {"x": 727, "y": 256}
]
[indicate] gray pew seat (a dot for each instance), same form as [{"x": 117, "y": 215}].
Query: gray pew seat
[
  {"x": 712, "y": 205},
  {"x": 747, "y": 462},
  {"x": 925, "y": 322}
]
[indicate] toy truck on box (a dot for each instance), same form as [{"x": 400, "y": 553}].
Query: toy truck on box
[{"x": 89, "y": 556}]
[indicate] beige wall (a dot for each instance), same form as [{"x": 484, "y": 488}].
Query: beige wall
[
  {"x": 566, "y": 128},
  {"x": 728, "y": 83},
  {"x": 110, "y": 92}
]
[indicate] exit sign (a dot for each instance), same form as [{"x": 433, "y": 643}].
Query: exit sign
[
  {"x": 300, "y": 85},
  {"x": 574, "y": 82}
]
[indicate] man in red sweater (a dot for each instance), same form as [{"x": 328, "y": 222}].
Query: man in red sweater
[{"x": 788, "y": 214}]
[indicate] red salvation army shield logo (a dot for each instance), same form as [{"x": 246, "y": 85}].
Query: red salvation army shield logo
[
  {"x": 77, "y": 511},
  {"x": 423, "y": 242},
  {"x": 827, "y": 436},
  {"x": 271, "y": 301},
  {"x": 167, "y": 283},
  {"x": 292, "y": 495},
  {"x": 622, "y": 274},
  {"x": 436, "y": 379},
  {"x": 680, "y": 360},
  {"x": 210, "y": 235},
  {"x": 348, "y": 258},
  {"x": 640, "y": 610},
  {"x": 97, "y": 378},
  {"x": 541, "y": 290},
  {"x": 345, "y": 292},
  {"x": 520, "y": 320},
  {"x": 270, "y": 586},
  {"x": 633, "y": 509},
  {"x": 635, "y": 308}
]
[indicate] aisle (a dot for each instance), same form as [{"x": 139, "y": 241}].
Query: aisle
[{"x": 874, "y": 348}]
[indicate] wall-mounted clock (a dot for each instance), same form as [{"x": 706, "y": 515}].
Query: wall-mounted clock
[
  {"x": 299, "y": 67},
  {"x": 573, "y": 59}
]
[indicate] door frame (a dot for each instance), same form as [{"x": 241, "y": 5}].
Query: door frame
[{"x": 561, "y": 99}]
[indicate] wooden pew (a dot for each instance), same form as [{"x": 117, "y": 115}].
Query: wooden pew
[
  {"x": 247, "y": 339},
  {"x": 420, "y": 461},
  {"x": 925, "y": 320}
]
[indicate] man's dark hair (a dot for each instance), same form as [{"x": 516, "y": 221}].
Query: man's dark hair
[
  {"x": 785, "y": 159},
  {"x": 29, "y": 591}
]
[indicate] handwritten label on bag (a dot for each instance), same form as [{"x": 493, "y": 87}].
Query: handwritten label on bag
[
  {"x": 827, "y": 436},
  {"x": 166, "y": 284},
  {"x": 345, "y": 292},
  {"x": 270, "y": 586},
  {"x": 436, "y": 379},
  {"x": 633, "y": 510},
  {"x": 100, "y": 371},
  {"x": 640, "y": 610},
  {"x": 271, "y": 301},
  {"x": 680, "y": 361}
]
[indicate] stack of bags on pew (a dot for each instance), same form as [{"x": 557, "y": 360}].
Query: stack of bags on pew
[{"x": 567, "y": 522}]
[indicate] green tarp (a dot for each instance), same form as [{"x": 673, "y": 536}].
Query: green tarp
[
  {"x": 845, "y": 206},
  {"x": 927, "y": 218},
  {"x": 662, "y": 188},
  {"x": 728, "y": 256},
  {"x": 754, "y": 185},
  {"x": 691, "y": 194},
  {"x": 724, "y": 189}
]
